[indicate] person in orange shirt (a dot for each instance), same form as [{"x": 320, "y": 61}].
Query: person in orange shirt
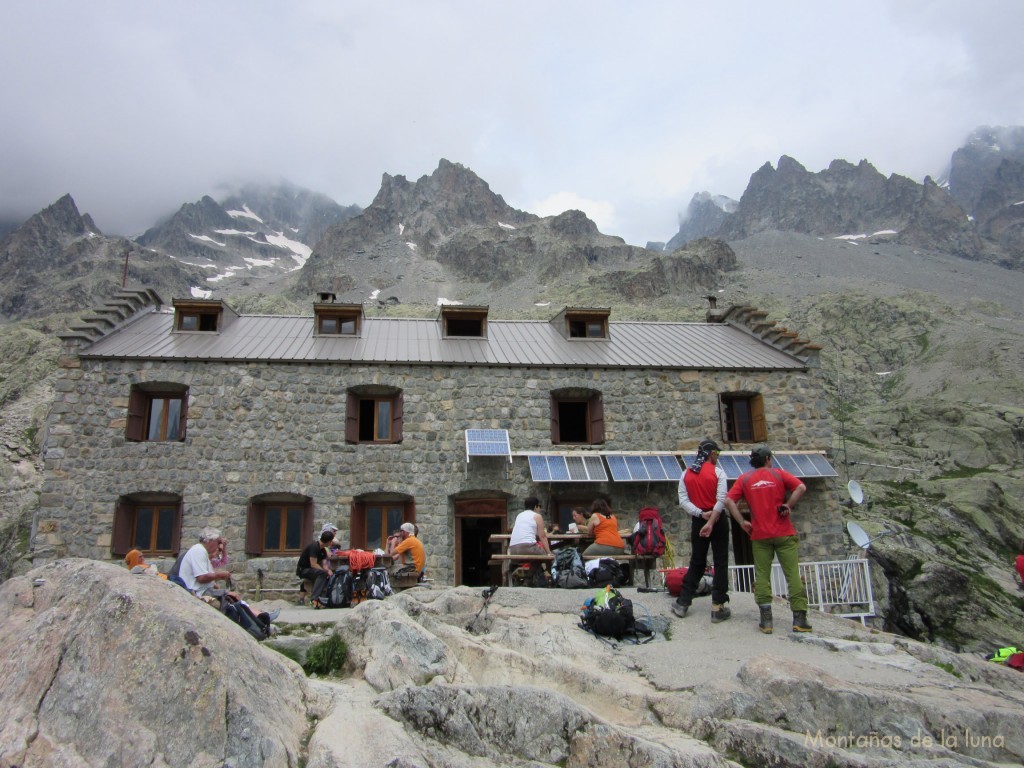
[
  {"x": 406, "y": 542},
  {"x": 603, "y": 526}
]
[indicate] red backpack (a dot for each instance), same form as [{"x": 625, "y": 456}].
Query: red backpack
[{"x": 649, "y": 538}]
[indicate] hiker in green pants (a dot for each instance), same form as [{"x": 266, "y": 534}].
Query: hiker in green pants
[{"x": 771, "y": 494}]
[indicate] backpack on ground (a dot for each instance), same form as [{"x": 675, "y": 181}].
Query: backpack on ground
[
  {"x": 242, "y": 615},
  {"x": 567, "y": 571},
  {"x": 378, "y": 584},
  {"x": 607, "y": 572},
  {"x": 649, "y": 538},
  {"x": 337, "y": 592},
  {"x": 610, "y": 614},
  {"x": 359, "y": 587}
]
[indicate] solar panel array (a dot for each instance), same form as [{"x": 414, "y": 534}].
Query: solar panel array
[
  {"x": 567, "y": 469},
  {"x": 487, "y": 442},
  {"x": 648, "y": 468},
  {"x": 798, "y": 464}
]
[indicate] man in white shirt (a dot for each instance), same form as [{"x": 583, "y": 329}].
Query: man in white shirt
[{"x": 196, "y": 570}]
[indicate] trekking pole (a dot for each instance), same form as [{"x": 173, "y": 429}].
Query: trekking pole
[{"x": 487, "y": 595}]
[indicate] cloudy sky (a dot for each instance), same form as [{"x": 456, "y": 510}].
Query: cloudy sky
[{"x": 622, "y": 109}]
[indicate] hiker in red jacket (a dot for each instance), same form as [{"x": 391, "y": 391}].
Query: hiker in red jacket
[
  {"x": 771, "y": 495},
  {"x": 702, "y": 491}
]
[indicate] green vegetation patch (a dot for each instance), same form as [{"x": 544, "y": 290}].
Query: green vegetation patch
[{"x": 326, "y": 657}]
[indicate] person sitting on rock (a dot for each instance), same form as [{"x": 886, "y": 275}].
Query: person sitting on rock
[
  {"x": 313, "y": 564},
  {"x": 136, "y": 563},
  {"x": 196, "y": 570},
  {"x": 404, "y": 542}
]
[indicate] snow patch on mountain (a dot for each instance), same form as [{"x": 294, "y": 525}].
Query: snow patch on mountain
[
  {"x": 245, "y": 213},
  {"x": 207, "y": 239}
]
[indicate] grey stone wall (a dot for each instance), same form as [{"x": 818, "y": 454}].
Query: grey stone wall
[{"x": 259, "y": 428}]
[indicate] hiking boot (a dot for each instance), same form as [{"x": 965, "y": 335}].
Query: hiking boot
[
  {"x": 679, "y": 609},
  {"x": 719, "y": 613},
  {"x": 765, "y": 624},
  {"x": 800, "y": 622}
]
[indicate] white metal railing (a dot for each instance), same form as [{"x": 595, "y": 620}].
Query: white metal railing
[{"x": 842, "y": 587}]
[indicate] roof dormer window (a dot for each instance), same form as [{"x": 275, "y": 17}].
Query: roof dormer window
[
  {"x": 583, "y": 323},
  {"x": 338, "y": 319},
  {"x": 464, "y": 322},
  {"x": 201, "y": 315}
]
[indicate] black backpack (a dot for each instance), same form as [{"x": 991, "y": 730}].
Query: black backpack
[
  {"x": 242, "y": 615},
  {"x": 608, "y": 572},
  {"x": 608, "y": 614},
  {"x": 338, "y": 590},
  {"x": 567, "y": 571}
]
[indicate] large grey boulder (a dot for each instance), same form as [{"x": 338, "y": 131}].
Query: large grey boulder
[{"x": 102, "y": 667}]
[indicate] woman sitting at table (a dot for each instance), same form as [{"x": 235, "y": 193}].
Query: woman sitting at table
[{"x": 600, "y": 523}]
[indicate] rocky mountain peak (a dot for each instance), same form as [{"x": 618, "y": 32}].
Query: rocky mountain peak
[
  {"x": 703, "y": 218},
  {"x": 47, "y": 232},
  {"x": 450, "y": 198}
]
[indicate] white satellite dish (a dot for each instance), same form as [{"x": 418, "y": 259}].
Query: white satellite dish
[
  {"x": 856, "y": 492},
  {"x": 859, "y": 535}
]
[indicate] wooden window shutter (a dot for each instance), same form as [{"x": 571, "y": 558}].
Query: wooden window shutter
[
  {"x": 397, "y": 417},
  {"x": 722, "y": 420},
  {"x": 121, "y": 538},
  {"x": 179, "y": 513},
  {"x": 183, "y": 418},
  {"x": 308, "y": 515},
  {"x": 357, "y": 526},
  {"x": 137, "y": 401},
  {"x": 352, "y": 418},
  {"x": 554, "y": 420},
  {"x": 409, "y": 514},
  {"x": 254, "y": 529},
  {"x": 596, "y": 409},
  {"x": 760, "y": 426}
]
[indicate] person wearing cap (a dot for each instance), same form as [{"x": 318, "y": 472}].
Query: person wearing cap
[
  {"x": 313, "y": 563},
  {"x": 771, "y": 494},
  {"x": 702, "y": 490},
  {"x": 403, "y": 542}
]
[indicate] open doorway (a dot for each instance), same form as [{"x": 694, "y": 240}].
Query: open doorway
[
  {"x": 742, "y": 549},
  {"x": 475, "y": 521}
]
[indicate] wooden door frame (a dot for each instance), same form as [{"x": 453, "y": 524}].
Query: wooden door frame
[{"x": 491, "y": 507}]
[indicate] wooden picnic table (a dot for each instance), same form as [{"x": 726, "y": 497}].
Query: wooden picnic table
[{"x": 561, "y": 539}]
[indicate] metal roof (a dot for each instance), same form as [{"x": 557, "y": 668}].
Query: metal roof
[{"x": 282, "y": 338}]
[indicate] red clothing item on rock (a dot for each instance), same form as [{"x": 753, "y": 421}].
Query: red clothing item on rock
[{"x": 764, "y": 490}]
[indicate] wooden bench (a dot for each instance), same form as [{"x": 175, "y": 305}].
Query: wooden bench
[
  {"x": 300, "y": 587},
  {"x": 634, "y": 560}
]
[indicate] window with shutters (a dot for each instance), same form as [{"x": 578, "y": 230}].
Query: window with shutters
[
  {"x": 577, "y": 417},
  {"x": 148, "y": 522},
  {"x": 278, "y": 525},
  {"x": 462, "y": 322},
  {"x": 374, "y": 518},
  {"x": 742, "y": 415},
  {"x": 200, "y": 315},
  {"x": 157, "y": 412},
  {"x": 374, "y": 415},
  {"x": 338, "y": 319}
]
